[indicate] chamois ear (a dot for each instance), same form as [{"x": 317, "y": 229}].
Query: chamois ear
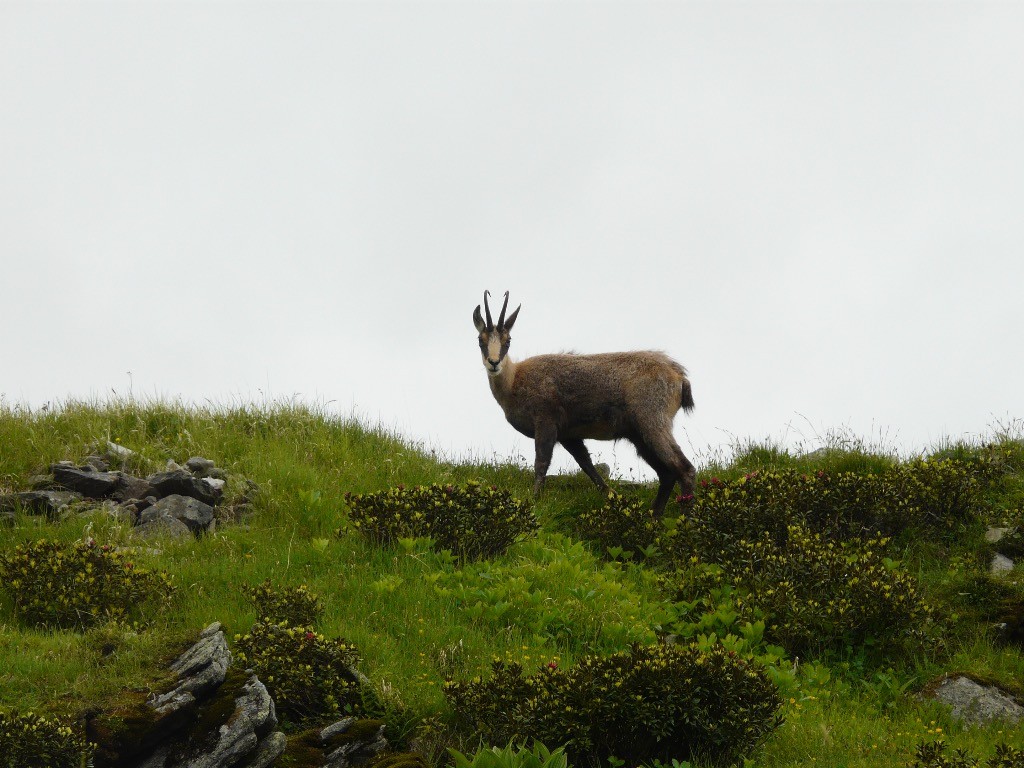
[
  {"x": 478, "y": 321},
  {"x": 512, "y": 318}
]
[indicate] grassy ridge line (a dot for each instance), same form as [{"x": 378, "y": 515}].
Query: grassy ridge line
[
  {"x": 304, "y": 461},
  {"x": 393, "y": 604}
]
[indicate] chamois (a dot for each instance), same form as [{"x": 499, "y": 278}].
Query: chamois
[{"x": 567, "y": 398}]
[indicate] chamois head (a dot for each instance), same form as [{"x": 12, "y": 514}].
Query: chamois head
[{"x": 494, "y": 339}]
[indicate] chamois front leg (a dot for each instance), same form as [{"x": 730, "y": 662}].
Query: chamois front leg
[
  {"x": 544, "y": 438},
  {"x": 578, "y": 450}
]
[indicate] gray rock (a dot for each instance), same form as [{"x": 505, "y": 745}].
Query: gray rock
[
  {"x": 49, "y": 503},
  {"x": 253, "y": 718},
  {"x": 182, "y": 483},
  {"x": 1001, "y": 564},
  {"x": 91, "y": 484},
  {"x": 994, "y": 535},
  {"x": 98, "y": 463},
  {"x": 357, "y": 751},
  {"x": 199, "y": 466},
  {"x": 119, "y": 451},
  {"x": 215, "y": 484},
  {"x": 268, "y": 750},
  {"x": 200, "y": 670},
  {"x": 975, "y": 703},
  {"x": 132, "y": 488},
  {"x": 192, "y": 512},
  {"x": 6, "y": 517},
  {"x": 163, "y": 527},
  {"x": 336, "y": 728}
]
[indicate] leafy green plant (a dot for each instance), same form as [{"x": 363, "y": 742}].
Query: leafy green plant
[
  {"x": 932, "y": 754},
  {"x": 78, "y": 585},
  {"x": 649, "y": 702},
  {"x": 816, "y": 594},
  {"x": 621, "y": 525},
  {"x": 473, "y": 520},
  {"x": 309, "y": 676},
  {"x": 32, "y": 740},
  {"x": 512, "y": 756},
  {"x": 296, "y": 606}
]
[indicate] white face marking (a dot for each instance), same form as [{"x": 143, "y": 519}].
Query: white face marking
[{"x": 492, "y": 352}]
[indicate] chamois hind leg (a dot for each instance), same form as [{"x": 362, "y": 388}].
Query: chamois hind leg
[
  {"x": 659, "y": 441},
  {"x": 666, "y": 476},
  {"x": 579, "y": 451}
]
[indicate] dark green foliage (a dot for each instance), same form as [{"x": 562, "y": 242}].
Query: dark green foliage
[
  {"x": 621, "y": 525},
  {"x": 473, "y": 521},
  {"x": 921, "y": 496},
  {"x": 932, "y": 754},
  {"x": 77, "y": 585},
  {"x": 309, "y": 676},
  {"x": 808, "y": 551},
  {"x": 32, "y": 740},
  {"x": 944, "y": 494},
  {"x": 296, "y": 606},
  {"x": 816, "y": 594},
  {"x": 651, "y": 702}
]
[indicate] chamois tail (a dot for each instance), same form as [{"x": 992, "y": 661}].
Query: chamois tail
[{"x": 686, "y": 396}]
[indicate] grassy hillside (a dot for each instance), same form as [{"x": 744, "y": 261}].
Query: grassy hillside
[{"x": 419, "y": 617}]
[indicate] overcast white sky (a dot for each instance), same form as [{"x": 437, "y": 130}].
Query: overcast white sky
[{"x": 818, "y": 208}]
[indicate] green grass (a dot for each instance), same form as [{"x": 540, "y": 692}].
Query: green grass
[{"x": 419, "y": 617}]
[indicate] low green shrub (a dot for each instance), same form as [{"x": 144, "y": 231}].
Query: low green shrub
[
  {"x": 816, "y": 594},
  {"x": 651, "y": 702},
  {"x": 309, "y": 676},
  {"x": 473, "y": 521},
  {"x": 926, "y": 496},
  {"x": 621, "y": 525},
  {"x": 32, "y": 740},
  {"x": 932, "y": 754},
  {"x": 78, "y": 585},
  {"x": 945, "y": 494},
  {"x": 295, "y": 605},
  {"x": 512, "y": 756}
]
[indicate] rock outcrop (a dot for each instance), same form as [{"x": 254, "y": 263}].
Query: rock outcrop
[
  {"x": 976, "y": 703},
  {"x": 214, "y": 716},
  {"x": 176, "y": 502}
]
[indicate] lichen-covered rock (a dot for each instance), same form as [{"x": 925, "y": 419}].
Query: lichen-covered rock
[
  {"x": 240, "y": 736},
  {"x": 200, "y": 669},
  {"x": 976, "y": 703},
  {"x": 351, "y": 741},
  {"x": 1001, "y": 565}
]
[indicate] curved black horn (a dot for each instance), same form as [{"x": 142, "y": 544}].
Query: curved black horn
[
  {"x": 501, "y": 317},
  {"x": 487, "y": 309}
]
